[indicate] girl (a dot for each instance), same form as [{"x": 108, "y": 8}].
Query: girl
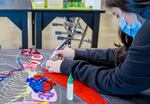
[{"x": 101, "y": 69}]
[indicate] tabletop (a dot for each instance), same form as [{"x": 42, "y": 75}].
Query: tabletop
[{"x": 14, "y": 88}]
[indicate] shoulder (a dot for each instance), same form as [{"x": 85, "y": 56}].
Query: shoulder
[{"x": 143, "y": 36}]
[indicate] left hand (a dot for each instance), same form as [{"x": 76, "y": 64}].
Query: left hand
[{"x": 54, "y": 66}]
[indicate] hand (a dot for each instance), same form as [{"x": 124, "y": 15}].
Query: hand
[
  {"x": 67, "y": 53},
  {"x": 54, "y": 66}
]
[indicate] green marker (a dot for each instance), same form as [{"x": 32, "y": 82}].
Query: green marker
[
  {"x": 72, "y": 2},
  {"x": 75, "y": 3},
  {"x": 46, "y": 3},
  {"x": 65, "y": 3},
  {"x": 70, "y": 88},
  {"x": 69, "y": 3}
]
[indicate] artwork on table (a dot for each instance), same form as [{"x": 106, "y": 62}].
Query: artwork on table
[{"x": 50, "y": 96}]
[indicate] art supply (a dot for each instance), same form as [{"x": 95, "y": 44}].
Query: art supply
[
  {"x": 46, "y": 3},
  {"x": 40, "y": 83},
  {"x": 65, "y": 3},
  {"x": 33, "y": 62},
  {"x": 29, "y": 52},
  {"x": 45, "y": 102},
  {"x": 32, "y": 65},
  {"x": 70, "y": 88},
  {"x": 60, "y": 47},
  {"x": 73, "y": 3},
  {"x": 47, "y": 97},
  {"x": 37, "y": 57}
]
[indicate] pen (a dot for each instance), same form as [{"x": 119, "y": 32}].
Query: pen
[{"x": 60, "y": 47}]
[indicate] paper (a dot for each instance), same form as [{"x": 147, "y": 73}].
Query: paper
[{"x": 48, "y": 97}]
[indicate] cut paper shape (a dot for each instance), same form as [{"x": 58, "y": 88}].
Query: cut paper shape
[
  {"x": 37, "y": 57},
  {"x": 49, "y": 97},
  {"x": 34, "y": 62},
  {"x": 32, "y": 66},
  {"x": 40, "y": 83},
  {"x": 29, "y": 52}
]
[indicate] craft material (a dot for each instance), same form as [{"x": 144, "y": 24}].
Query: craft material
[
  {"x": 70, "y": 88},
  {"x": 40, "y": 83}
]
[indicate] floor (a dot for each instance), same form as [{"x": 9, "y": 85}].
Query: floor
[{"x": 10, "y": 35}]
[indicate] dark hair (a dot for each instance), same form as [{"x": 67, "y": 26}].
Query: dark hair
[
  {"x": 120, "y": 53},
  {"x": 141, "y": 7},
  {"x": 125, "y": 39}
]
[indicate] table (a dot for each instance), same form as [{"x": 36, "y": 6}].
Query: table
[
  {"x": 7, "y": 61},
  {"x": 17, "y": 12},
  {"x": 13, "y": 88},
  {"x": 44, "y": 16},
  {"x": 142, "y": 98}
]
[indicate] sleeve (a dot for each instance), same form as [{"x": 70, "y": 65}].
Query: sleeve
[
  {"x": 99, "y": 57},
  {"x": 130, "y": 77},
  {"x": 104, "y": 80}
]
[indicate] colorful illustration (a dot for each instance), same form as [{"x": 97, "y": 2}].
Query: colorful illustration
[
  {"x": 40, "y": 83},
  {"x": 50, "y": 96}
]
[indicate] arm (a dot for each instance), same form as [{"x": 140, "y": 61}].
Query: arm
[
  {"x": 118, "y": 81},
  {"x": 100, "y": 57},
  {"x": 130, "y": 77}
]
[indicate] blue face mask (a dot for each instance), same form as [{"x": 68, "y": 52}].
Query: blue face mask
[{"x": 130, "y": 30}]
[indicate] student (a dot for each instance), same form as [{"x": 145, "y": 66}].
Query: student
[{"x": 130, "y": 75}]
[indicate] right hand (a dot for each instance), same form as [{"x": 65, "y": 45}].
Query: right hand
[{"x": 67, "y": 53}]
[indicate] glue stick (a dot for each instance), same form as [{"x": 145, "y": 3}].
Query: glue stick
[{"x": 70, "y": 88}]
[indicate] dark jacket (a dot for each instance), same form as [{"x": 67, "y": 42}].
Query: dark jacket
[{"x": 130, "y": 77}]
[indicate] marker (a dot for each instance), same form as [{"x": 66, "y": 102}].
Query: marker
[
  {"x": 46, "y": 3},
  {"x": 45, "y": 103},
  {"x": 70, "y": 88},
  {"x": 60, "y": 47}
]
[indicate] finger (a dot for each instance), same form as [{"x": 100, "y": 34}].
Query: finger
[
  {"x": 66, "y": 48},
  {"x": 58, "y": 52},
  {"x": 59, "y": 58},
  {"x": 60, "y": 55},
  {"x": 51, "y": 70},
  {"x": 49, "y": 63}
]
